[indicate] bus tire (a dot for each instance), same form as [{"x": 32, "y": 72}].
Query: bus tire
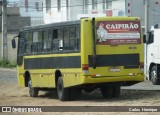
[
  {"x": 33, "y": 92},
  {"x": 107, "y": 92},
  {"x": 116, "y": 91},
  {"x": 63, "y": 93},
  {"x": 154, "y": 76}
]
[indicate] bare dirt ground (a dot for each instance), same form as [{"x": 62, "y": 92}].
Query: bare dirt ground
[{"x": 142, "y": 94}]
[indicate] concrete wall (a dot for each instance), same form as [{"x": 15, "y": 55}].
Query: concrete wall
[
  {"x": 36, "y": 15},
  {"x": 153, "y": 12},
  {"x": 12, "y": 53},
  {"x": 137, "y": 8},
  {"x": 14, "y": 23},
  {"x": 53, "y": 15}
]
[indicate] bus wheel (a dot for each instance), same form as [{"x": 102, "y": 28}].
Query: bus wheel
[
  {"x": 63, "y": 93},
  {"x": 116, "y": 91},
  {"x": 154, "y": 76},
  {"x": 33, "y": 92},
  {"x": 107, "y": 92}
]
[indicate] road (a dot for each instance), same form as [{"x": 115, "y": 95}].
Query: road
[{"x": 142, "y": 94}]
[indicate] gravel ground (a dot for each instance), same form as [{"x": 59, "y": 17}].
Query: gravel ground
[
  {"x": 146, "y": 85},
  {"x": 141, "y": 94},
  {"x": 8, "y": 75}
]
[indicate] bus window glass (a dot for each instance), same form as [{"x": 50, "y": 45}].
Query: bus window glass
[
  {"x": 60, "y": 37},
  {"x": 50, "y": 35},
  {"x": 40, "y": 43},
  {"x": 77, "y": 43},
  {"x": 72, "y": 37},
  {"x": 28, "y": 37},
  {"x": 22, "y": 42},
  {"x": 66, "y": 39},
  {"x": 55, "y": 40},
  {"x": 47, "y": 46},
  {"x": 35, "y": 36},
  {"x": 49, "y": 42},
  {"x": 55, "y": 33},
  {"x": 35, "y": 42},
  {"x": 39, "y": 36},
  {"x": 60, "y": 34},
  {"x": 47, "y": 39},
  {"x": 45, "y": 35}
]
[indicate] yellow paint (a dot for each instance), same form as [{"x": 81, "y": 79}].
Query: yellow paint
[
  {"x": 74, "y": 76},
  {"x": 89, "y": 79},
  {"x": 39, "y": 80}
]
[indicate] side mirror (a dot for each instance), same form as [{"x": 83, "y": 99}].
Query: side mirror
[
  {"x": 144, "y": 39},
  {"x": 13, "y": 43}
]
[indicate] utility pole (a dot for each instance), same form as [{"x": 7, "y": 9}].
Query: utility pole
[
  {"x": 4, "y": 54},
  {"x": 146, "y": 29},
  {"x": 67, "y": 9},
  {"x": 146, "y": 16}
]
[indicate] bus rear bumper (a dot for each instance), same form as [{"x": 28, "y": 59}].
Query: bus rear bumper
[{"x": 109, "y": 79}]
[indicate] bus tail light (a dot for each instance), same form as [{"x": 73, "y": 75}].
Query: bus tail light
[
  {"x": 85, "y": 68},
  {"x": 142, "y": 66}
]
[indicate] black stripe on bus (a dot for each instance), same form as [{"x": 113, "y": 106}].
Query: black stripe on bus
[
  {"x": 53, "y": 62},
  {"x": 115, "y": 60}
]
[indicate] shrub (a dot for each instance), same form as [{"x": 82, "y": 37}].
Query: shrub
[{"x": 6, "y": 63}]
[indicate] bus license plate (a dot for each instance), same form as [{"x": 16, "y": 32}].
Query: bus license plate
[{"x": 114, "y": 69}]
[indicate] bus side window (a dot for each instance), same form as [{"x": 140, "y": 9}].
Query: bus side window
[
  {"x": 77, "y": 41},
  {"x": 55, "y": 40},
  {"x": 60, "y": 38},
  {"x": 66, "y": 39},
  {"x": 35, "y": 42},
  {"x": 47, "y": 37},
  {"x": 29, "y": 37},
  {"x": 40, "y": 42},
  {"x": 50, "y": 39},
  {"x": 72, "y": 39},
  {"x": 22, "y": 41}
]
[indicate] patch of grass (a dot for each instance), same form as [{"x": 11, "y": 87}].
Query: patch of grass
[{"x": 5, "y": 63}]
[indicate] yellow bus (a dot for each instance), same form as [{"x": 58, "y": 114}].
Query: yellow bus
[{"x": 91, "y": 53}]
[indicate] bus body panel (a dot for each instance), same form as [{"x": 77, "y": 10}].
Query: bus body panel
[
  {"x": 110, "y": 79},
  {"x": 111, "y": 72},
  {"x": 42, "y": 67}
]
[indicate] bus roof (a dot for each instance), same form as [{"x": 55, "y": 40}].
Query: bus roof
[
  {"x": 66, "y": 23},
  {"x": 51, "y": 25}
]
